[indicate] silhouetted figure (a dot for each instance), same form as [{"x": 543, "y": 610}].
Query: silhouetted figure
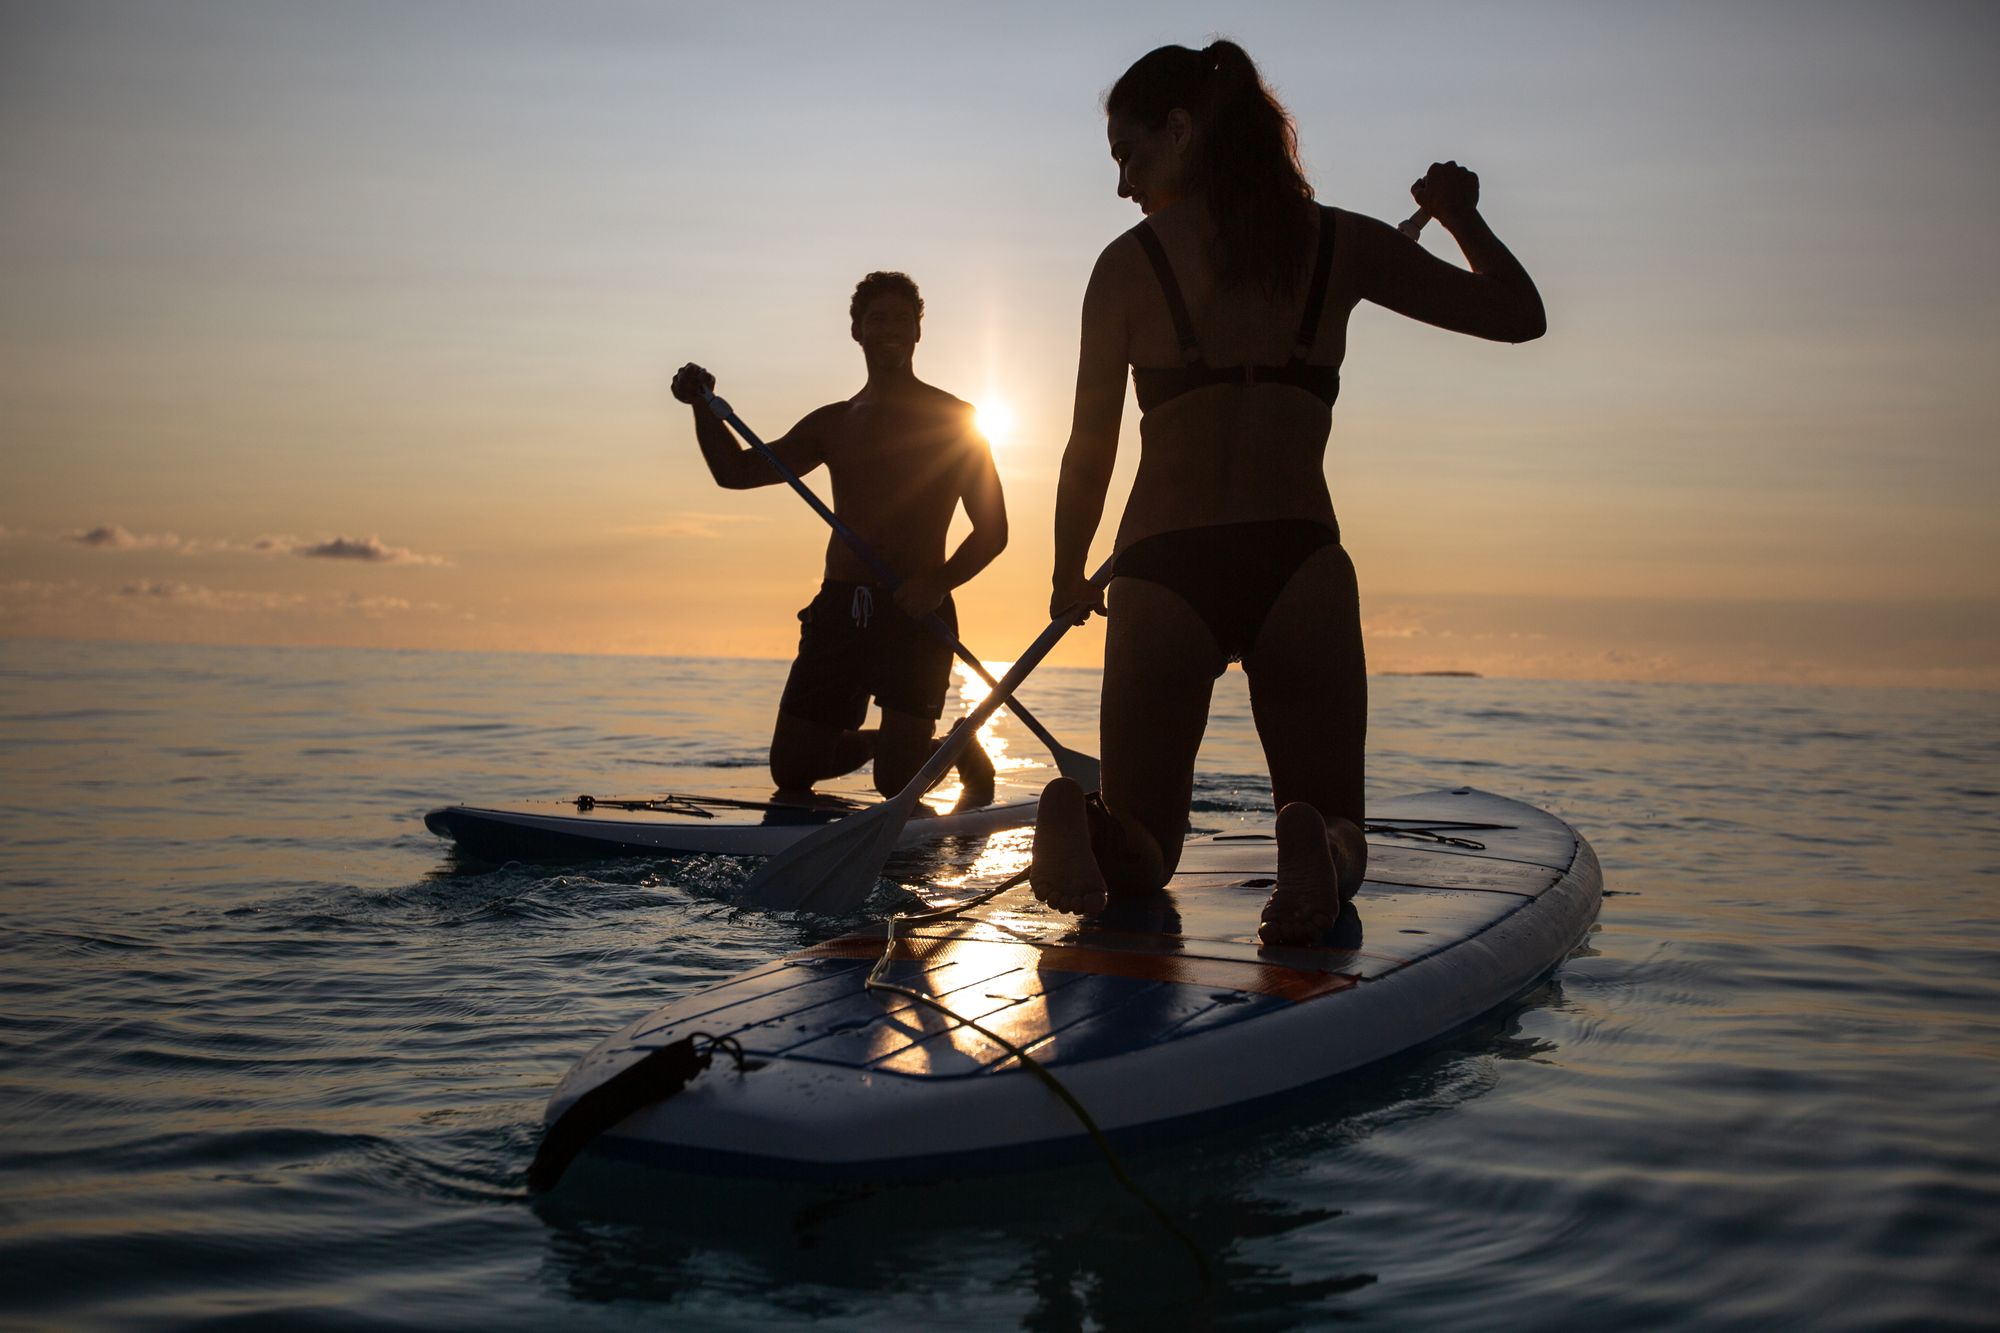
[
  {"x": 1229, "y": 302},
  {"x": 902, "y": 455}
]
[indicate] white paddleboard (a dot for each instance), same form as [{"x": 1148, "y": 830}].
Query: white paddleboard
[
  {"x": 1160, "y": 1018},
  {"x": 745, "y": 821}
]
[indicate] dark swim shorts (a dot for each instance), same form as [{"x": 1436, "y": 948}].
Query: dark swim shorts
[{"x": 854, "y": 641}]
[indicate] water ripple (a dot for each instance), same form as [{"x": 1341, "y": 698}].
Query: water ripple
[{"x": 273, "y": 1057}]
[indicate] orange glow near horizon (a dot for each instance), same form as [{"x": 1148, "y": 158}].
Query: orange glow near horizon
[{"x": 384, "y": 362}]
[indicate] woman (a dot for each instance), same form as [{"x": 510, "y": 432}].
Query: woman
[{"x": 1229, "y": 302}]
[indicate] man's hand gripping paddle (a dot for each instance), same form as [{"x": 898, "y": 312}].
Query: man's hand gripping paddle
[
  {"x": 1079, "y": 768},
  {"x": 834, "y": 868}
]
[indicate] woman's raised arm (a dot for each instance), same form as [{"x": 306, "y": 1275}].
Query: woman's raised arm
[{"x": 1496, "y": 300}]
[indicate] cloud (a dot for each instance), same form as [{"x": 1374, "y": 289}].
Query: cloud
[
  {"x": 1396, "y": 622},
  {"x": 168, "y": 588},
  {"x": 176, "y": 593},
  {"x": 166, "y": 605},
  {"x": 43, "y": 589},
  {"x": 370, "y": 550},
  {"x": 377, "y": 607},
  {"x": 194, "y": 597},
  {"x": 691, "y": 523},
  {"x": 383, "y": 607},
  {"x": 111, "y": 537},
  {"x": 343, "y": 548},
  {"x": 367, "y": 550}
]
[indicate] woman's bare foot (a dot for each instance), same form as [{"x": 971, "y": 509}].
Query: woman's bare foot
[
  {"x": 1064, "y": 873},
  {"x": 1304, "y": 906}
]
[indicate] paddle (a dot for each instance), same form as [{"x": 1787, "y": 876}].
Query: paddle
[
  {"x": 832, "y": 869},
  {"x": 1078, "y": 767}
]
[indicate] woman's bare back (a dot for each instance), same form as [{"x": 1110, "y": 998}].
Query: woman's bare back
[{"x": 1226, "y": 453}]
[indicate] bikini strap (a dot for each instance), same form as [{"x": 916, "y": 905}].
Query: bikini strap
[
  {"x": 1316, "y": 293},
  {"x": 1171, "y": 289}
]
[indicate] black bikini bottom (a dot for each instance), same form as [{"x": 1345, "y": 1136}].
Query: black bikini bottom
[{"x": 1231, "y": 573}]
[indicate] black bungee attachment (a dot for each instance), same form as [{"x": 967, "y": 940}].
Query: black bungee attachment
[
  {"x": 669, "y": 804},
  {"x": 656, "y": 1077}
]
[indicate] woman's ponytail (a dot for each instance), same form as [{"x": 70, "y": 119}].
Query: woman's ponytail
[{"x": 1246, "y": 161}]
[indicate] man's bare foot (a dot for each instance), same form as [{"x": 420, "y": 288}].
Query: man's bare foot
[
  {"x": 1064, "y": 872},
  {"x": 975, "y": 777},
  {"x": 1304, "y": 906}
]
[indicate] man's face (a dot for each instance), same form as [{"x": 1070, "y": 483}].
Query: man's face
[{"x": 888, "y": 330}]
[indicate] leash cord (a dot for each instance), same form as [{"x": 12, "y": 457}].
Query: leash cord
[{"x": 876, "y": 982}]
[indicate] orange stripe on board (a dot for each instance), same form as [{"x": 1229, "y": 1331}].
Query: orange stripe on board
[
  {"x": 1287, "y": 983},
  {"x": 847, "y": 946}
]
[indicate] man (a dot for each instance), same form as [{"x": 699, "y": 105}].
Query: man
[{"x": 903, "y": 456}]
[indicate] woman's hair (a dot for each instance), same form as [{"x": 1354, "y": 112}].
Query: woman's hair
[
  {"x": 881, "y": 283},
  {"x": 1246, "y": 155}
]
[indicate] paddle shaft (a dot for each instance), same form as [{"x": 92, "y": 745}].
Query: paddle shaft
[
  {"x": 834, "y": 868},
  {"x": 890, "y": 579},
  {"x": 956, "y": 739}
]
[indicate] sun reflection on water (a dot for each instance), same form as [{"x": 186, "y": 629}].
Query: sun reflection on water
[
  {"x": 999, "y": 856},
  {"x": 971, "y": 689}
]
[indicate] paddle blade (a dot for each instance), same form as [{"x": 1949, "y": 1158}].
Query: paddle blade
[
  {"x": 835, "y": 869},
  {"x": 1080, "y": 768}
]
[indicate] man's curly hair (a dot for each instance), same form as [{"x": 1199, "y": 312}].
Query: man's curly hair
[{"x": 883, "y": 284}]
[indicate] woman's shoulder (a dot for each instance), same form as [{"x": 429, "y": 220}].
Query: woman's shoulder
[
  {"x": 1347, "y": 223},
  {"x": 1178, "y": 231},
  {"x": 1119, "y": 263},
  {"x": 1346, "y": 220},
  {"x": 1122, "y": 248},
  {"x": 1185, "y": 219}
]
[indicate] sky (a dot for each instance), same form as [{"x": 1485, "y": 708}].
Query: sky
[{"x": 352, "y": 324}]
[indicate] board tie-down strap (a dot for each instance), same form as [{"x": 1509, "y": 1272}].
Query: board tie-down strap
[{"x": 656, "y": 1077}]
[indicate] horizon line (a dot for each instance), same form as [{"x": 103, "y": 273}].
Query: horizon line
[{"x": 1428, "y": 673}]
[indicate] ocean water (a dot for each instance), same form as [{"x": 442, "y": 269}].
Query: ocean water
[{"x": 268, "y": 1055}]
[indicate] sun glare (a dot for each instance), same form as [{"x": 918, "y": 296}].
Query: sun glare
[{"x": 995, "y": 420}]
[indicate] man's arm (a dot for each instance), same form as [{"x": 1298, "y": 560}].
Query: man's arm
[
  {"x": 986, "y": 507},
  {"x": 734, "y": 466}
]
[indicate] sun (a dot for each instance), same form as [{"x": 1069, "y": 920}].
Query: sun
[{"x": 995, "y": 420}]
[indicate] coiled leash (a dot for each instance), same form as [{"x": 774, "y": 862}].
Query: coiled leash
[
  {"x": 656, "y": 1077},
  {"x": 1433, "y": 830}
]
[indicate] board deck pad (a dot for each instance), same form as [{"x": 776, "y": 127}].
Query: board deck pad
[{"x": 1155, "y": 1011}]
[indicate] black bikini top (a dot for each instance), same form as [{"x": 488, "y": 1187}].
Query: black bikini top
[{"x": 1156, "y": 384}]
